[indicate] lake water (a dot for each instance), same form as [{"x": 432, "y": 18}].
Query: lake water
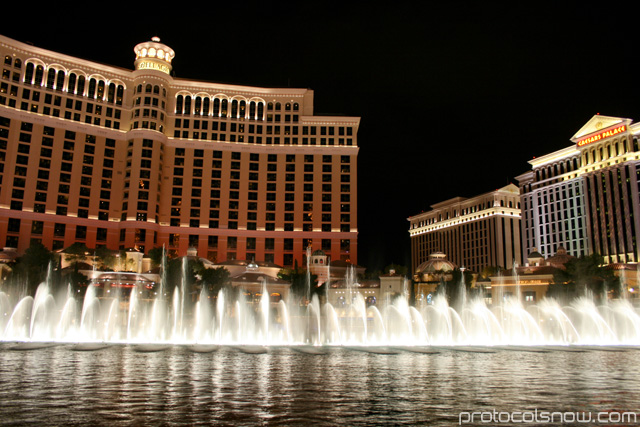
[{"x": 120, "y": 386}]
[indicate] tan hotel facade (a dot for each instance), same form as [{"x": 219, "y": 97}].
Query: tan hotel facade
[
  {"x": 473, "y": 232},
  {"x": 140, "y": 159},
  {"x": 586, "y": 197}
]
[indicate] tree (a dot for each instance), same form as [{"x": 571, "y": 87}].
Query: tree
[
  {"x": 399, "y": 269},
  {"x": 586, "y": 274},
  {"x": 156, "y": 255},
  {"x": 75, "y": 254},
  {"x": 452, "y": 289},
  {"x": 109, "y": 259},
  {"x": 31, "y": 268},
  {"x": 298, "y": 278},
  {"x": 489, "y": 271},
  {"x": 214, "y": 278},
  {"x": 177, "y": 271}
]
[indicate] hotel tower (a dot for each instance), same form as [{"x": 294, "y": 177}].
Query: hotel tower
[
  {"x": 140, "y": 159},
  {"x": 586, "y": 197}
]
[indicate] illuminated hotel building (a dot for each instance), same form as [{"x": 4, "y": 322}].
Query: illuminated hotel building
[
  {"x": 473, "y": 233},
  {"x": 585, "y": 197},
  {"x": 140, "y": 159}
]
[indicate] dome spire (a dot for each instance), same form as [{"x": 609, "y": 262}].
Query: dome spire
[{"x": 153, "y": 55}]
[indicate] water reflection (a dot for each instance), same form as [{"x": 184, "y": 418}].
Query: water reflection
[{"x": 117, "y": 385}]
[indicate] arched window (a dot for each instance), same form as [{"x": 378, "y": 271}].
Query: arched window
[
  {"x": 28, "y": 74},
  {"x": 111, "y": 93},
  {"x": 198, "y": 105},
  {"x": 147, "y": 89},
  {"x": 252, "y": 110},
  {"x": 296, "y": 106},
  {"x": 39, "y": 75},
  {"x": 138, "y": 89},
  {"x": 187, "y": 105},
  {"x": 17, "y": 63},
  {"x": 223, "y": 108},
  {"x": 156, "y": 89},
  {"x": 81, "y": 83},
  {"x": 119, "y": 94},
  {"x": 71, "y": 84},
  {"x": 287, "y": 106},
  {"x": 216, "y": 107},
  {"x": 92, "y": 88},
  {"x": 60, "y": 80},
  {"x": 51, "y": 78},
  {"x": 260, "y": 111},
  {"x": 243, "y": 109},
  {"x": 100, "y": 94},
  {"x": 179, "y": 100},
  {"x": 234, "y": 108},
  {"x": 205, "y": 106}
]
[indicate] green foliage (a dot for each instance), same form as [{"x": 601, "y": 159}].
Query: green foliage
[
  {"x": 31, "y": 268},
  {"x": 298, "y": 279},
  {"x": 156, "y": 256},
  {"x": 399, "y": 269},
  {"x": 452, "y": 289},
  {"x": 489, "y": 271},
  {"x": 75, "y": 254},
  {"x": 585, "y": 274},
  {"x": 176, "y": 270},
  {"x": 108, "y": 259},
  {"x": 214, "y": 278}
]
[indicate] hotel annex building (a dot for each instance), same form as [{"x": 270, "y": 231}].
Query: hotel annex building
[
  {"x": 140, "y": 159},
  {"x": 473, "y": 232}
]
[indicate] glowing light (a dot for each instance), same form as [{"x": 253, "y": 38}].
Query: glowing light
[{"x": 602, "y": 135}]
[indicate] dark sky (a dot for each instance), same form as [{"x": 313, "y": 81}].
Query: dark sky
[{"x": 454, "y": 99}]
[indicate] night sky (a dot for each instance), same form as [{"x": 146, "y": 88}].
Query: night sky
[{"x": 454, "y": 99}]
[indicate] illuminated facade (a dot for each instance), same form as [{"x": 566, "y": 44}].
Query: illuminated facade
[
  {"x": 585, "y": 197},
  {"x": 473, "y": 233},
  {"x": 140, "y": 159}
]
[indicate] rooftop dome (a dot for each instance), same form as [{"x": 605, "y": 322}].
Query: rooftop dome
[
  {"x": 318, "y": 252},
  {"x": 153, "y": 55},
  {"x": 535, "y": 257},
  {"x": 560, "y": 258},
  {"x": 437, "y": 262}
]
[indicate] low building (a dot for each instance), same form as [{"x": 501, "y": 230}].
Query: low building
[
  {"x": 428, "y": 275},
  {"x": 255, "y": 279},
  {"x": 530, "y": 282}
]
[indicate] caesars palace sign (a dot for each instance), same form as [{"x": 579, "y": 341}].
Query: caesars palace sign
[{"x": 602, "y": 135}]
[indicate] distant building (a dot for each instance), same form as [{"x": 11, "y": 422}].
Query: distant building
[
  {"x": 429, "y": 275},
  {"x": 139, "y": 158},
  {"x": 586, "y": 197},
  {"x": 530, "y": 281},
  {"x": 255, "y": 280},
  {"x": 472, "y": 232}
]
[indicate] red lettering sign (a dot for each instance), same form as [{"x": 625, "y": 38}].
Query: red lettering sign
[{"x": 602, "y": 135}]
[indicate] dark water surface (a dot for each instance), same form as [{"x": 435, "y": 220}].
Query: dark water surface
[{"x": 119, "y": 386}]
